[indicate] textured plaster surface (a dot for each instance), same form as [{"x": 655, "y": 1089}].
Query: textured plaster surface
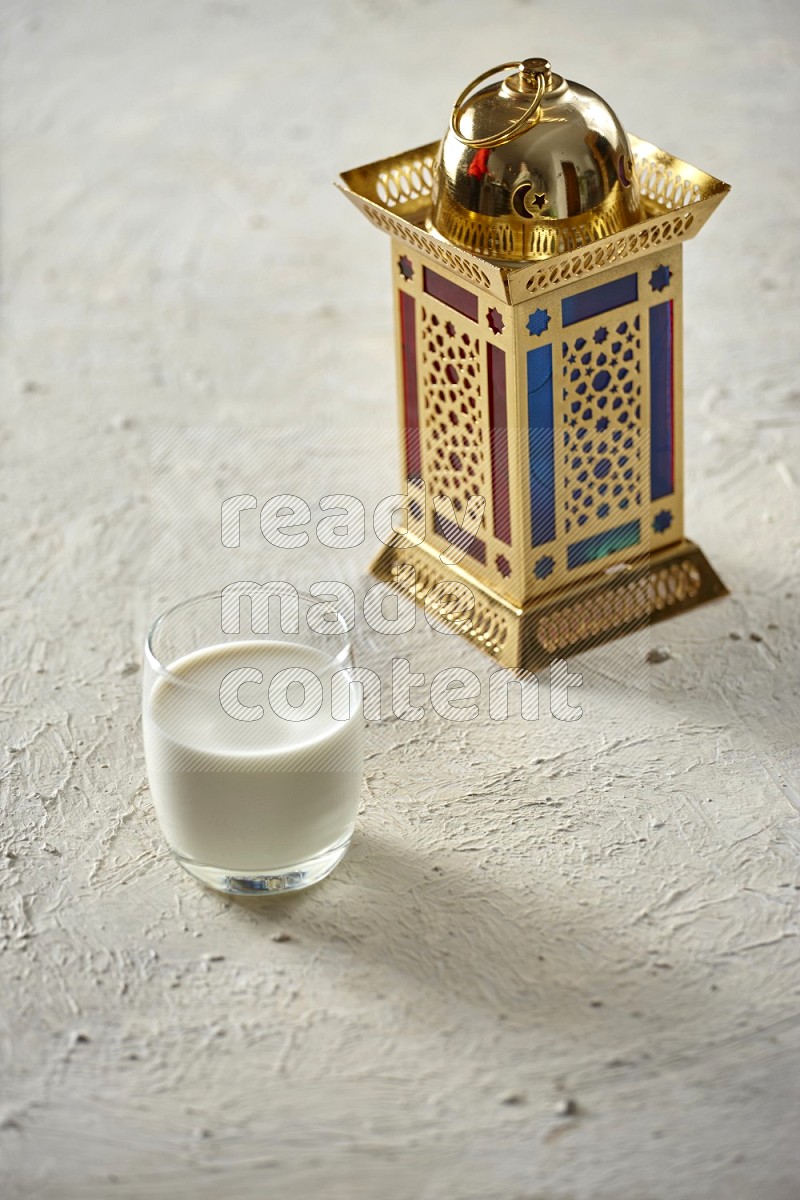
[{"x": 598, "y": 916}]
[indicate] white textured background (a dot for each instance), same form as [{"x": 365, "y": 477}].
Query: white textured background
[{"x": 604, "y": 911}]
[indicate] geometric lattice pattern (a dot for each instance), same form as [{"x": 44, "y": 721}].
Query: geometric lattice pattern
[
  {"x": 597, "y": 616},
  {"x": 485, "y": 625},
  {"x": 394, "y": 195},
  {"x": 601, "y": 421},
  {"x": 455, "y": 445}
]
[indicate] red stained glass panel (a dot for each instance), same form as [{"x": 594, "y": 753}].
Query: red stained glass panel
[
  {"x": 498, "y": 424},
  {"x": 408, "y": 337},
  {"x": 450, "y": 294}
]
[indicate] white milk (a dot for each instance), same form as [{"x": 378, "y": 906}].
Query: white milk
[{"x": 250, "y": 795}]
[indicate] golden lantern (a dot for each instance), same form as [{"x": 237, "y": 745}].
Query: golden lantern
[{"x": 536, "y": 260}]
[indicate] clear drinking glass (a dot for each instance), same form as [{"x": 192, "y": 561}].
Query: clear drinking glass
[{"x": 254, "y": 742}]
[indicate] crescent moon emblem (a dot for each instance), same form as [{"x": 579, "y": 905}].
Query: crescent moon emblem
[{"x": 519, "y": 197}]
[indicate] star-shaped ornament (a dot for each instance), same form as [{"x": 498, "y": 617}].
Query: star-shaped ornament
[
  {"x": 660, "y": 278},
  {"x": 495, "y": 319},
  {"x": 538, "y": 322},
  {"x": 405, "y": 266}
]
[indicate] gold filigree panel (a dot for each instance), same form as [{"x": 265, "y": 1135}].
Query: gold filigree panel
[
  {"x": 599, "y": 424},
  {"x": 455, "y": 441}
]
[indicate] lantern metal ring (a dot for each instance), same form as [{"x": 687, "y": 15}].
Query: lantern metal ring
[{"x": 528, "y": 118}]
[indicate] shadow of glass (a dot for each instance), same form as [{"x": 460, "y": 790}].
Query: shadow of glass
[{"x": 519, "y": 952}]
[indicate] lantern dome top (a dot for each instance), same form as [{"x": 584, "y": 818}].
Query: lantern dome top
[{"x": 529, "y": 162}]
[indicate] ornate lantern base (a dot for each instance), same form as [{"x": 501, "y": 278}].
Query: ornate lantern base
[{"x": 624, "y": 598}]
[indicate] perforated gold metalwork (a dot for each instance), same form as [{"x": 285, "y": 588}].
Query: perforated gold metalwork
[
  {"x": 500, "y": 239},
  {"x": 596, "y": 611},
  {"x": 662, "y": 233},
  {"x": 440, "y": 253},
  {"x": 665, "y": 181},
  {"x": 490, "y": 623},
  {"x": 405, "y": 181},
  {"x": 596, "y": 616},
  {"x": 677, "y": 197},
  {"x": 600, "y": 418},
  {"x": 455, "y": 441}
]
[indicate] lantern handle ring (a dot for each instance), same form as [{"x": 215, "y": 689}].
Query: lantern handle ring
[{"x": 536, "y": 71}]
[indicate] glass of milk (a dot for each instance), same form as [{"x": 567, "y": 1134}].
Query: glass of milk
[{"x": 254, "y": 742}]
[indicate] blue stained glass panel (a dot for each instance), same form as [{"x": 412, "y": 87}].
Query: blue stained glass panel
[
  {"x": 601, "y": 544},
  {"x": 599, "y": 299},
  {"x": 661, "y": 402},
  {"x": 541, "y": 457}
]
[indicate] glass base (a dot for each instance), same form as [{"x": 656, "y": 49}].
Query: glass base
[{"x": 272, "y": 882}]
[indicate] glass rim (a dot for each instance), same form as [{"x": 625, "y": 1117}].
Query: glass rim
[{"x": 159, "y": 668}]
